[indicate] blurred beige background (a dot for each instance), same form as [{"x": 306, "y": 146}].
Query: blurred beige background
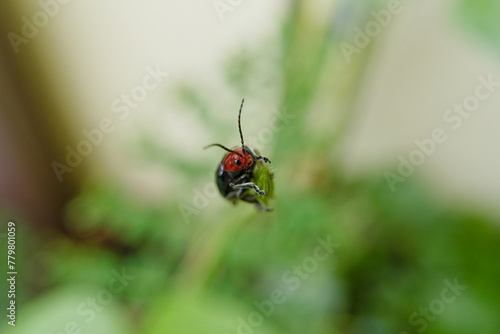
[
  {"x": 95, "y": 51},
  {"x": 444, "y": 64}
]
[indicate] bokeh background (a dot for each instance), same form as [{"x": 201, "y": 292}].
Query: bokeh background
[{"x": 132, "y": 238}]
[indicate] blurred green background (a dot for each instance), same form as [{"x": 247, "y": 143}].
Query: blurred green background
[{"x": 135, "y": 238}]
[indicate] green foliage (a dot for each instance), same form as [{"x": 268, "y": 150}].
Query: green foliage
[{"x": 264, "y": 180}]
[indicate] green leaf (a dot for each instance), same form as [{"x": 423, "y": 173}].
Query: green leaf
[{"x": 264, "y": 180}]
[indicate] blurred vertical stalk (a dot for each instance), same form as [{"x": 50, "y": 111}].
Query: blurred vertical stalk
[
  {"x": 203, "y": 256},
  {"x": 29, "y": 131},
  {"x": 317, "y": 75},
  {"x": 304, "y": 51},
  {"x": 312, "y": 54}
]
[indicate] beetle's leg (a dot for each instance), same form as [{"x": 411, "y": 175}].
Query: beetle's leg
[
  {"x": 250, "y": 198},
  {"x": 234, "y": 195},
  {"x": 237, "y": 192},
  {"x": 261, "y": 158},
  {"x": 248, "y": 185},
  {"x": 239, "y": 178},
  {"x": 255, "y": 157}
]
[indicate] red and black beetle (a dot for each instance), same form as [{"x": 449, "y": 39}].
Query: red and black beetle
[{"x": 236, "y": 177}]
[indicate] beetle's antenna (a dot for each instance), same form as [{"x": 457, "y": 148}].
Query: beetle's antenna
[
  {"x": 223, "y": 147},
  {"x": 239, "y": 125}
]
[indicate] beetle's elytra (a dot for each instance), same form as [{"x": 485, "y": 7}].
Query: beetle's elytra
[{"x": 243, "y": 174}]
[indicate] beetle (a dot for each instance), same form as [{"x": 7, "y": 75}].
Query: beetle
[{"x": 243, "y": 175}]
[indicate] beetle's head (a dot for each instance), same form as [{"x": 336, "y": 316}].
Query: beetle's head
[{"x": 236, "y": 160}]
